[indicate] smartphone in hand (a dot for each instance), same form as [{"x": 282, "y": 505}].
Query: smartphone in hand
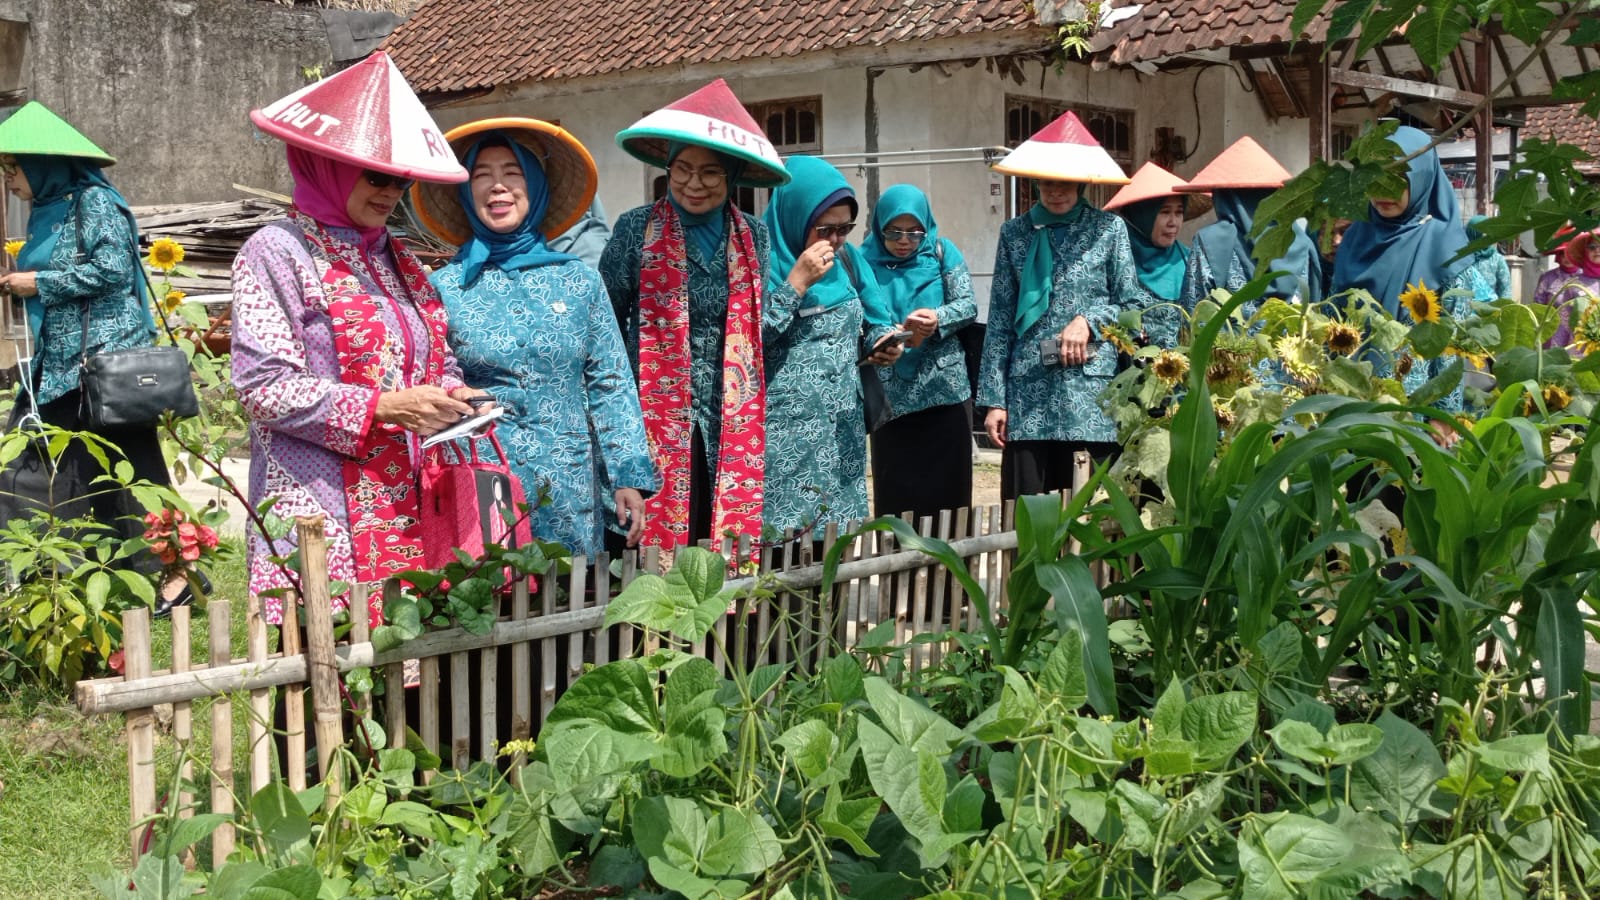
[{"x": 897, "y": 339}]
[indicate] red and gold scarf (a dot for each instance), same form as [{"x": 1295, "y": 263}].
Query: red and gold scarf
[
  {"x": 381, "y": 487},
  {"x": 664, "y": 376}
]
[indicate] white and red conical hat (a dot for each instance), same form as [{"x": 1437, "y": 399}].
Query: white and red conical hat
[
  {"x": 366, "y": 115},
  {"x": 711, "y": 117},
  {"x": 1064, "y": 150}
]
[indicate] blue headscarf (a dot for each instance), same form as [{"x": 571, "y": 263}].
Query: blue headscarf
[
  {"x": 1229, "y": 237},
  {"x": 1384, "y": 255},
  {"x": 916, "y": 282},
  {"x": 795, "y": 207},
  {"x": 56, "y": 182},
  {"x": 707, "y": 230},
  {"x": 1161, "y": 269},
  {"x": 524, "y": 246}
]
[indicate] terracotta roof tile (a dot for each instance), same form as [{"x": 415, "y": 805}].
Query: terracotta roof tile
[
  {"x": 1569, "y": 125},
  {"x": 575, "y": 40},
  {"x": 1166, "y": 28}
]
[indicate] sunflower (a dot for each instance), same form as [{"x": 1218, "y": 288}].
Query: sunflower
[
  {"x": 1118, "y": 338},
  {"x": 14, "y": 248},
  {"x": 1171, "y": 367},
  {"x": 165, "y": 254},
  {"x": 1342, "y": 339},
  {"x": 1476, "y": 357},
  {"x": 1556, "y": 397},
  {"x": 171, "y": 302},
  {"x": 1403, "y": 367},
  {"x": 1301, "y": 357},
  {"x": 1421, "y": 302},
  {"x": 1586, "y": 333}
]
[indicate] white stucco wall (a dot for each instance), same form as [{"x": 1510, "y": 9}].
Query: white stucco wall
[{"x": 926, "y": 110}]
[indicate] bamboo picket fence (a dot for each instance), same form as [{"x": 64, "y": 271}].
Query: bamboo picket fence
[{"x": 550, "y": 635}]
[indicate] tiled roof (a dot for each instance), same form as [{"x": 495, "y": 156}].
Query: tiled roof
[
  {"x": 1569, "y": 125},
  {"x": 1168, "y": 28},
  {"x": 452, "y": 45}
]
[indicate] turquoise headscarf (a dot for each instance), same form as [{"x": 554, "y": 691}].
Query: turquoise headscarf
[
  {"x": 521, "y": 248},
  {"x": 56, "y": 182},
  {"x": 1161, "y": 269},
  {"x": 1038, "y": 270},
  {"x": 1384, "y": 255},
  {"x": 916, "y": 282},
  {"x": 816, "y": 187}
]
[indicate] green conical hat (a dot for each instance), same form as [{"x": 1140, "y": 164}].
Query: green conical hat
[{"x": 33, "y": 129}]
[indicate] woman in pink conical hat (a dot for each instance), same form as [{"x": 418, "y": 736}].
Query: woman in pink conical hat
[
  {"x": 686, "y": 275},
  {"x": 1062, "y": 271},
  {"x": 339, "y": 350}
]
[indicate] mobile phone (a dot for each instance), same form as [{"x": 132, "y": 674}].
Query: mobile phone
[
  {"x": 1050, "y": 351},
  {"x": 479, "y": 400},
  {"x": 897, "y": 339}
]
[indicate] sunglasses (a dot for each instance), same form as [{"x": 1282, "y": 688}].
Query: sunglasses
[
  {"x": 382, "y": 180},
  {"x": 895, "y": 234},
  {"x": 829, "y": 231}
]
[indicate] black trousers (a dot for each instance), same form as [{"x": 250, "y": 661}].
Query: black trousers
[
  {"x": 922, "y": 462},
  {"x": 1044, "y": 467}
]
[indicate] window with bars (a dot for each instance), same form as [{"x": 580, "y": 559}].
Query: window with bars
[{"x": 1113, "y": 128}]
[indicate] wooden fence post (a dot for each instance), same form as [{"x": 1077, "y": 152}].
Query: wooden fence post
[
  {"x": 322, "y": 670},
  {"x": 141, "y": 725}
]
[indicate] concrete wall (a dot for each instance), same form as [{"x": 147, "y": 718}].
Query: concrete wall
[
  {"x": 930, "y": 109},
  {"x": 166, "y": 85}
]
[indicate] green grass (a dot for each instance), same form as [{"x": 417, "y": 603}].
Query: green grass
[{"x": 64, "y": 810}]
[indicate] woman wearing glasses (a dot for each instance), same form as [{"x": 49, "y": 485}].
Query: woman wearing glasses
[
  {"x": 685, "y": 276},
  {"x": 533, "y": 327},
  {"x": 823, "y": 316},
  {"x": 922, "y": 457},
  {"x": 339, "y": 350}
]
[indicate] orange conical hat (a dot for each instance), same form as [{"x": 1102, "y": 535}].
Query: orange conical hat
[
  {"x": 366, "y": 115},
  {"x": 1150, "y": 182},
  {"x": 1243, "y": 166},
  {"x": 711, "y": 117},
  {"x": 1064, "y": 150}
]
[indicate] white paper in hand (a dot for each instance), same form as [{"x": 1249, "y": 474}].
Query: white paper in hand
[{"x": 463, "y": 428}]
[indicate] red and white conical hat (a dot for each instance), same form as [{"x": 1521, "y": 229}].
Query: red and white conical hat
[
  {"x": 1064, "y": 150},
  {"x": 366, "y": 115},
  {"x": 711, "y": 117},
  {"x": 1243, "y": 166}
]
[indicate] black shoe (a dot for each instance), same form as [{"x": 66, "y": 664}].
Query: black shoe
[{"x": 185, "y": 597}]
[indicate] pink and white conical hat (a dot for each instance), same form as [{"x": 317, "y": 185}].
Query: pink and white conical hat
[
  {"x": 1064, "y": 150},
  {"x": 711, "y": 117},
  {"x": 366, "y": 115}
]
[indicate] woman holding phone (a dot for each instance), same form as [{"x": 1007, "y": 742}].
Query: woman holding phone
[
  {"x": 822, "y": 317},
  {"x": 922, "y": 457}
]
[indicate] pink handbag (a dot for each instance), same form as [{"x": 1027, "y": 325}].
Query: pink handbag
[{"x": 469, "y": 501}]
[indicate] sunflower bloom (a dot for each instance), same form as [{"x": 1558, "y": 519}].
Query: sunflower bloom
[
  {"x": 1117, "y": 338},
  {"x": 1171, "y": 367},
  {"x": 171, "y": 302},
  {"x": 1556, "y": 397},
  {"x": 1421, "y": 302},
  {"x": 1403, "y": 367},
  {"x": 14, "y": 248},
  {"x": 1586, "y": 333},
  {"x": 1477, "y": 358},
  {"x": 165, "y": 254},
  {"x": 1301, "y": 357},
  {"x": 1342, "y": 339}
]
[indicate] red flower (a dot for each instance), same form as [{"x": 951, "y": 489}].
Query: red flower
[{"x": 114, "y": 661}]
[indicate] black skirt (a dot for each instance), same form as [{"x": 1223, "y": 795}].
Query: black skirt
[{"x": 922, "y": 462}]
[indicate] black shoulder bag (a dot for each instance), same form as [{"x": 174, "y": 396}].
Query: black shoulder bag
[
  {"x": 132, "y": 388},
  {"x": 875, "y": 405}
]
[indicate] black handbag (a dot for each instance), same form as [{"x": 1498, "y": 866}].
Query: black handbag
[
  {"x": 133, "y": 388},
  {"x": 874, "y": 399},
  {"x": 33, "y": 483}
]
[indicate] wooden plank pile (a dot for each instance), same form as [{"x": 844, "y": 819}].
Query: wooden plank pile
[{"x": 211, "y": 235}]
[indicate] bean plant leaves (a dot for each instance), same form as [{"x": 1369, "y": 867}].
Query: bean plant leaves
[
  {"x": 583, "y": 752},
  {"x": 1290, "y": 855},
  {"x": 617, "y": 695},
  {"x": 739, "y": 842},
  {"x": 844, "y": 679},
  {"x": 684, "y": 603},
  {"x": 908, "y": 721},
  {"x": 1341, "y": 745},
  {"x": 279, "y": 816},
  {"x": 671, "y": 829},
  {"x": 1062, "y": 678},
  {"x": 911, "y": 782},
  {"x": 1398, "y": 779},
  {"x": 810, "y": 745}
]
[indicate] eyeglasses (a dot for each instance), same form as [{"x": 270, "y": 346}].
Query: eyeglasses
[
  {"x": 895, "y": 234},
  {"x": 827, "y": 232},
  {"x": 709, "y": 177},
  {"x": 382, "y": 180}
]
